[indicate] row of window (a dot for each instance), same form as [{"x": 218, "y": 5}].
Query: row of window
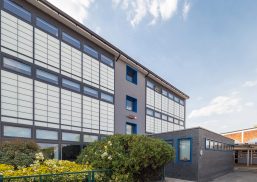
[
  {"x": 214, "y": 145},
  {"x": 54, "y": 79},
  {"x": 171, "y": 96},
  {"x": 162, "y": 116},
  {"x": 22, "y": 132},
  {"x": 51, "y": 29}
]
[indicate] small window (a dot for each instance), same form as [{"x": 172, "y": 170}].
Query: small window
[
  {"x": 165, "y": 117},
  {"x": 131, "y": 104},
  {"x": 16, "y": 66},
  {"x": 176, "y": 121},
  {"x": 43, "y": 75},
  {"x": 176, "y": 99},
  {"x": 71, "y": 40},
  {"x": 185, "y": 149},
  {"x": 73, "y": 137},
  {"x": 150, "y": 84},
  {"x": 46, "y": 134},
  {"x": 157, "y": 115},
  {"x": 164, "y": 92},
  {"x": 216, "y": 145},
  {"x": 131, "y": 128},
  {"x": 207, "y": 144},
  {"x": 171, "y": 96},
  {"x": 149, "y": 112},
  {"x": 13, "y": 131},
  {"x": 90, "y": 91},
  {"x": 182, "y": 102},
  {"x": 17, "y": 10},
  {"x": 47, "y": 26},
  {"x": 90, "y": 138},
  {"x": 131, "y": 75},
  {"x": 157, "y": 89},
  {"x": 90, "y": 51},
  {"x": 107, "y": 60},
  {"x": 211, "y": 144},
  {"x": 107, "y": 97},
  {"x": 170, "y": 119},
  {"x": 71, "y": 85}
]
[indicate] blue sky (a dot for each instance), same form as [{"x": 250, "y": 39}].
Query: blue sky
[{"x": 206, "y": 48}]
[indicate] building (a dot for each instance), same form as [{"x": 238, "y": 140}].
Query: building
[
  {"x": 201, "y": 155},
  {"x": 246, "y": 145},
  {"x": 64, "y": 86}
]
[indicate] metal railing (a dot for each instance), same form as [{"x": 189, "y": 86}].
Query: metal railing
[{"x": 84, "y": 176}]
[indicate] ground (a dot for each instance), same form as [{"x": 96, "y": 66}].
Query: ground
[{"x": 238, "y": 175}]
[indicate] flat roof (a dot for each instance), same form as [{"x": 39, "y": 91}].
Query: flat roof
[
  {"x": 242, "y": 130},
  {"x": 94, "y": 35}
]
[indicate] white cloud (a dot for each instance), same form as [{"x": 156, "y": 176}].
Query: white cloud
[
  {"x": 249, "y": 104},
  {"x": 252, "y": 83},
  {"x": 78, "y": 9},
  {"x": 218, "y": 106},
  {"x": 138, "y": 9},
  {"x": 186, "y": 9}
]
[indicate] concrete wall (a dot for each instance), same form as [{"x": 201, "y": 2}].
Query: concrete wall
[
  {"x": 123, "y": 88},
  {"x": 214, "y": 163}
]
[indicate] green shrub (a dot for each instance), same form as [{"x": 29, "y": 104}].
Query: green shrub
[
  {"x": 131, "y": 158},
  {"x": 18, "y": 153}
]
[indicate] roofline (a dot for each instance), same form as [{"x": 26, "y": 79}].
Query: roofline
[
  {"x": 80, "y": 25},
  {"x": 246, "y": 129}
]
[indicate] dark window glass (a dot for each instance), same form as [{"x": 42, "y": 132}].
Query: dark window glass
[
  {"x": 131, "y": 128},
  {"x": 150, "y": 84},
  {"x": 13, "y": 131},
  {"x": 70, "y": 152},
  {"x": 176, "y": 99},
  {"x": 71, "y": 40},
  {"x": 107, "y": 60},
  {"x": 43, "y": 75},
  {"x": 131, "y": 75},
  {"x": 164, "y": 92},
  {"x": 47, "y": 26},
  {"x": 17, "y": 66},
  {"x": 107, "y": 97},
  {"x": 50, "y": 151},
  {"x": 70, "y": 84},
  {"x": 184, "y": 149},
  {"x": 90, "y": 91},
  {"x": 17, "y": 10},
  {"x": 131, "y": 104},
  {"x": 171, "y": 96},
  {"x": 149, "y": 112},
  {"x": 90, "y": 51}
]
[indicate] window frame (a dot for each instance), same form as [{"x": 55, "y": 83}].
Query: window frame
[
  {"x": 71, "y": 40},
  {"x": 134, "y": 78},
  {"x": 44, "y": 79},
  {"x": 90, "y": 94},
  {"x": 69, "y": 88},
  {"x": 91, "y": 49},
  {"x": 19, "y": 127},
  {"x": 106, "y": 100},
  {"x": 190, "y": 152},
  {"x": 43, "y": 27},
  {"x": 107, "y": 61},
  {"x": 16, "y": 70},
  {"x": 47, "y": 130},
  {"x": 134, "y": 103},
  {"x": 134, "y": 128}
]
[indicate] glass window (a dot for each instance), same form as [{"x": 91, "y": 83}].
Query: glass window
[
  {"x": 211, "y": 145},
  {"x": 90, "y": 138},
  {"x": 131, "y": 75},
  {"x": 131, "y": 128},
  {"x": 207, "y": 144},
  {"x": 90, "y": 91},
  {"x": 50, "y": 151},
  {"x": 47, "y": 76},
  {"x": 131, "y": 104},
  {"x": 176, "y": 121},
  {"x": 150, "y": 84},
  {"x": 157, "y": 114},
  {"x": 220, "y": 146},
  {"x": 17, "y": 10},
  {"x": 176, "y": 99},
  {"x": 185, "y": 149},
  {"x": 149, "y": 112},
  {"x": 107, "y": 97},
  {"x": 74, "y": 137},
  {"x": 182, "y": 102},
  {"x": 170, "y": 119},
  {"x": 17, "y": 66},
  {"x": 13, "y": 131},
  {"x": 47, "y": 26},
  {"x": 165, "y": 117},
  {"x": 107, "y": 60},
  {"x": 71, "y": 40},
  {"x": 71, "y": 85},
  {"x": 171, "y": 96},
  {"x": 216, "y": 145},
  {"x": 164, "y": 92},
  {"x": 70, "y": 152},
  {"x": 90, "y": 51},
  {"x": 46, "y": 134}
]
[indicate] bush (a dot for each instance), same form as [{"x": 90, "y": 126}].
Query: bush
[
  {"x": 18, "y": 153},
  {"x": 131, "y": 158}
]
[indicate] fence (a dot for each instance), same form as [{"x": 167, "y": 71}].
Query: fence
[{"x": 85, "y": 176}]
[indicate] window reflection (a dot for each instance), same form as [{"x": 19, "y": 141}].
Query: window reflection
[
  {"x": 70, "y": 152},
  {"x": 50, "y": 151}
]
